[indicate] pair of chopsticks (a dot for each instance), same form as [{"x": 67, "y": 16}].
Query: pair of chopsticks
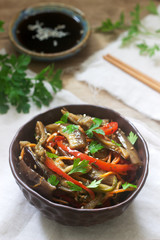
[{"x": 133, "y": 72}]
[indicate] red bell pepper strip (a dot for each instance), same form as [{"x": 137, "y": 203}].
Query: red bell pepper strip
[
  {"x": 50, "y": 164},
  {"x": 110, "y": 128},
  {"x": 119, "y": 168}
]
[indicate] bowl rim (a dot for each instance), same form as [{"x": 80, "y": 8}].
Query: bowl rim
[
  {"x": 53, "y": 204},
  {"x": 49, "y": 55}
]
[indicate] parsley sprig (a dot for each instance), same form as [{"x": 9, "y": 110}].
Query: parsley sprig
[
  {"x": 148, "y": 50},
  {"x": 18, "y": 90},
  {"x": 132, "y": 137},
  {"x": 70, "y": 128},
  {"x": 53, "y": 180},
  {"x": 128, "y": 185},
  {"x": 64, "y": 118},
  {"x": 94, "y": 183},
  {"x": 79, "y": 166},
  {"x": 1, "y": 26},
  {"x": 94, "y": 147},
  {"x": 94, "y": 128},
  {"x": 134, "y": 29},
  {"x": 51, "y": 155},
  {"x": 73, "y": 187},
  {"x": 109, "y": 26}
]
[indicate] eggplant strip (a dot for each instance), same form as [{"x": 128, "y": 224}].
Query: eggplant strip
[
  {"x": 131, "y": 150},
  {"x": 76, "y": 139}
]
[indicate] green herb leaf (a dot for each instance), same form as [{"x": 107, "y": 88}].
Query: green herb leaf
[
  {"x": 109, "y": 26},
  {"x": 53, "y": 180},
  {"x": 152, "y": 8},
  {"x": 64, "y": 118},
  {"x": 118, "y": 144},
  {"x": 131, "y": 35},
  {"x": 132, "y": 138},
  {"x": 135, "y": 14},
  {"x": 96, "y": 123},
  {"x": 94, "y": 184},
  {"x": 18, "y": 90},
  {"x": 73, "y": 187},
  {"x": 70, "y": 128},
  {"x": 41, "y": 95},
  {"x": 99, "y": 131},
  {"x": 51, "y": 155},
  {"x": 135, "y": 28},
  {"x": 127, "y": 185},
  {"x": 79, "y": 166},
  {"x": 145, "y": 49},
  {"x": 95, "y": 147},
  {"x": 54, "y": 78},
  {"x": 1, "y": 26}
]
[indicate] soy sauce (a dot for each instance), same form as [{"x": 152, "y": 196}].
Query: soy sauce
[{"x": 68, "y": 26}]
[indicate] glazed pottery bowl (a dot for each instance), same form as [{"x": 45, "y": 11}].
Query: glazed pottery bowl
[
  {"x": 65, "y": 214},
  {"x": 55, "y": 31}
]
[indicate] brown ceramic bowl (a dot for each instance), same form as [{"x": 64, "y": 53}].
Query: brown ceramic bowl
[{"x": 65, "y": 214}]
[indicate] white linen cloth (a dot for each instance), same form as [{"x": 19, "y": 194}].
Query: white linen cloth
[
  {"x": 20, "y": 220},
  {"x": 101, "y": 74}
]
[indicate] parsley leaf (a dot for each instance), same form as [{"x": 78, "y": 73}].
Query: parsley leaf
[
  {"x": 131, "y": 35},
  {"x": 118, "y": 144},
  {"x": 109, "y": 26},
  {"x": 152, "y": 8},
  {"x": 64, "y": 118},
  {"x": 134, "y": 29},
  {"x": 74, "y": 187},
  {"x": 18, "y": 90},
  {"x": 1, "y": 26},
  {"x": 96, "y": 123},
  {"x": 70, "y": 128},
  {"x": 79, "y": 166},
  {"x": 95, "y": 147},
  {"x": 145, "y": 49},
  {"x": 135, "y": 14},
  {"x": 53, "y": 180},
  {"x": 127, "y": 185},
  {"x": 132, "y": 138},
  {"x": 51, "y": 155},
  {"x": 94, "y": 184}
]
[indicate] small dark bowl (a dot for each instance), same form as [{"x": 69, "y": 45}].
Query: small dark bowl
[
  {"x": 65, "y": 214},
  {"x": 50, "y": 9}
]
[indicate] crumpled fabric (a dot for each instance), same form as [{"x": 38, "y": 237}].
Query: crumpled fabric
[{"x": 102, "y": 75}]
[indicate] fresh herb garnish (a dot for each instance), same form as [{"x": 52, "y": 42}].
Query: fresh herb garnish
[
  {"x": 53, "y": 180},
  {"x": 96, "y": 123},
  {"x": 70, "y": 128},
  {"x": 64, "y": 118},
  {"x": 94, "y": 147},
  {"x": 147, "y": 50},
  {"x": 152, "y": 8},
  {"x": 79, "y": 166},
  {"x": 73, "y": 187},
  {"x": 1, "y": 26},
  {"x": 94, "y": 184},
  {"x": 18, "y": 90},
  {"x": 132, "y": 138},
  {"x": 51, "y": 155},
  {"x": 127, "y": 185},
  {"x": 109, "y": 26},
  {"x": 118, "y": 144},
  {"x": 135, "y": 28}
]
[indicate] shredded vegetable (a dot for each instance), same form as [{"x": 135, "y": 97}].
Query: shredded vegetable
[{"x": 82, "y": 160}]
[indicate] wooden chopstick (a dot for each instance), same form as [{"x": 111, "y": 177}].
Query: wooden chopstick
[{"x": 133, "y": 72}]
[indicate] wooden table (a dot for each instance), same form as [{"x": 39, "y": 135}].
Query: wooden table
[{"x": 96, "y": 12}]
